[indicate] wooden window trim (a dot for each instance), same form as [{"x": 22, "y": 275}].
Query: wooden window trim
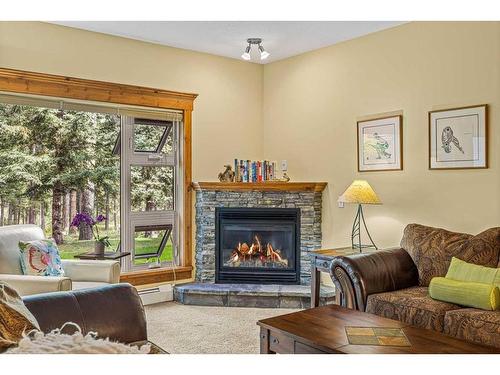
[
  {"x": 161, "y": 275},
  {"x": 85, "y": 89},
  {"x": 32, "y": 83}
]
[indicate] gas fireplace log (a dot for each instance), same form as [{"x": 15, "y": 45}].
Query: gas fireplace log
[
  {"x": 259, "y": 246},
  {"x": 257, "y": 253}
]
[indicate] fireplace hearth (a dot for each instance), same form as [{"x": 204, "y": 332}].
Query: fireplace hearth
[{"x": 257, "y": 245}]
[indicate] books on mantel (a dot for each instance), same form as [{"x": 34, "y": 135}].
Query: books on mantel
[{"x": 254, "y": 171}]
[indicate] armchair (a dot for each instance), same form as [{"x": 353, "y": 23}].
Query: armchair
[{"x": 78, "y": 274}]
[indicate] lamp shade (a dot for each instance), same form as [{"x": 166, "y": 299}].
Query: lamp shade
[{"x": 360, "y": 192}]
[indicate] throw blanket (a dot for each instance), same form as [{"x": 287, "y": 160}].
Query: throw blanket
[{"x": 56, "y": 342}]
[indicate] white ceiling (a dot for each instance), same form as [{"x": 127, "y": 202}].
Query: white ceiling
[{"x": 281, "y": 39}]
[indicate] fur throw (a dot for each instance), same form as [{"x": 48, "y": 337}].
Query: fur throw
[{"x": 56, "y": 342}]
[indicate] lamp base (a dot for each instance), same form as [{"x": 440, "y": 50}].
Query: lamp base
[{"x": 356, "y": 232}]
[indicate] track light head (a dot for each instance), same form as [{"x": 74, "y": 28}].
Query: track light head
[
  {"x": 263, "y": 53},
  {"x": 246, "y": 54}
]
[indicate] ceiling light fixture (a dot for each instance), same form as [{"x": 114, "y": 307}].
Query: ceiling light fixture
[{"x": 257, "y": 41}]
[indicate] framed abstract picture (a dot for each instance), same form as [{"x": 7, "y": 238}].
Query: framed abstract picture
[
  {"x": 458, "y": 138},
  {"x": 380, "y": 146}
]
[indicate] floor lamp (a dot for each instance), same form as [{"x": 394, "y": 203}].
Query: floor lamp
[{"x": 360, "y": 192}]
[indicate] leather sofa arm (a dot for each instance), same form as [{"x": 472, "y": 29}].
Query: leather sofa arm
[
  {"x": 27, "y": 284},
  {"x": 113, "y": 311},
  {"x": 358, "y": 276},
  {"x": 104, "y": 271}
]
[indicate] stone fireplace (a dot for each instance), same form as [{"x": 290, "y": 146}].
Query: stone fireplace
[{"x": 279, "y": 256}]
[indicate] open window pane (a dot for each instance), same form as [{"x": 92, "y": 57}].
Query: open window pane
[
  {"x": 153, "y": 136},
  {"x": 152, "y": 188},
  {"x": 153, "y": 243}
]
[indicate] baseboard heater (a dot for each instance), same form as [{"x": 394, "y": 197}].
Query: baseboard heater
[{"x": 162, "y": 293}]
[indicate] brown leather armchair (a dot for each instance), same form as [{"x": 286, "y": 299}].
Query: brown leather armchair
[
  {"x": 358, "y": 276},
  {"x": 113, "y": 311}
]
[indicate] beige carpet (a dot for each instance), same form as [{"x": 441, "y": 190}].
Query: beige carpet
[{"x": 186, "y": 329}]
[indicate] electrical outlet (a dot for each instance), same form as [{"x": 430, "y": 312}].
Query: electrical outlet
[
  {"x": 341, "y": 204},
  {"x": 284, "y": 165}
]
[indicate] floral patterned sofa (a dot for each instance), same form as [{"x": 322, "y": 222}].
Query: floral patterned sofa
[{"x": 394, "y": 283}]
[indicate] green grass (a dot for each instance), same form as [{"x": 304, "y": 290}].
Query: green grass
[
  {"x": 72, "y": 246},
  {"x": 148, "y": 245}
]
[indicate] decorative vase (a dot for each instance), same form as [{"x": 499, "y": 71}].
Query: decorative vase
[{"x": 99, "y": 248}]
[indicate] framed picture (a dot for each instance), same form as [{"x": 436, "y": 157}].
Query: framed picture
[
  {"x": 379, "y": 144},
  {"x": 458, "y": 138}
]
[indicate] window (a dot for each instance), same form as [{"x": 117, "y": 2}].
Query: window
[
  {"x": 151, "y": 197},
  {"x": 152, "y": 188},
  {"x": 60, "y": 92},
  {"x": 56, "y": 162}
]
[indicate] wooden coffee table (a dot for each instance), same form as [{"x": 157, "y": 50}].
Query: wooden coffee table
[{"x": 322, "y": 330}]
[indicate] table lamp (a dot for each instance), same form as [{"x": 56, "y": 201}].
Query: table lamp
[{"x": 360, "y": 192}]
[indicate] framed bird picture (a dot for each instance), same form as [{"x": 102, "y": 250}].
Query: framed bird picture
[
  {"x": 379, "y": 144},
  {"x": 458, "y": 138}
]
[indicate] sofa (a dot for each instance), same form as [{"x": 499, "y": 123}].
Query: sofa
[
  {"x": 77, "y": 273},
  {"x": 113, "y": 311},
  {"x": 394, "y": 283}
]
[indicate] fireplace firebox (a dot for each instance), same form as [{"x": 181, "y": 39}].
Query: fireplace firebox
[{"x": 257, "y": 245}]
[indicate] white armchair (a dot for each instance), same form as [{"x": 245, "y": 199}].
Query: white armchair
[{"x": 78, "y": 273}]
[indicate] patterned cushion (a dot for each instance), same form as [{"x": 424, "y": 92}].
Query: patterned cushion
[
  {"x": 412, "y": 306},
  {"x": 432, "y": 249},
  {"x": 40, "y": 258},
  {"x": 482, "y": 327},
  {"x": 15, "y": 318}
]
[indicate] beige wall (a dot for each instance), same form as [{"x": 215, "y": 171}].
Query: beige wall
[
  {"x": 304, "y": 109},
  {"x": 312, "y": 102},
  {"x": 227, "y": 117}
]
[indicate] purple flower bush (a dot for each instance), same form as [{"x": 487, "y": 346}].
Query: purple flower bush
[{"x": 85, "y": 219}]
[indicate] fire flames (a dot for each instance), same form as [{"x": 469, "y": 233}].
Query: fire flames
[{"x": 256, "y": 254}]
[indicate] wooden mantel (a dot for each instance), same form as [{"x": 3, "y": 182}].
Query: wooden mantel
[{"x": 260, "y": 186}]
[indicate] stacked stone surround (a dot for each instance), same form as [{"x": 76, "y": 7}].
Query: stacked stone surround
[{"x": 309, "y": 203}]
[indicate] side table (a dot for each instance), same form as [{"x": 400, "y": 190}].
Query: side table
[{"x": 321, "y": 261}]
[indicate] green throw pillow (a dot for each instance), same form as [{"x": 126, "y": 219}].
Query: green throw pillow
[
  {"x": 465, "y": 293},
  {"x": 463, "y": 271}
]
